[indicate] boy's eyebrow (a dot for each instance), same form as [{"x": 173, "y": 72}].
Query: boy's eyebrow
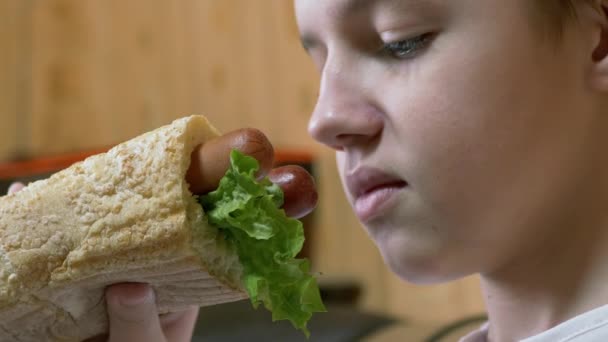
[
  {"x": 351, "y": 7},
  {"x": 346, "y": 7}
]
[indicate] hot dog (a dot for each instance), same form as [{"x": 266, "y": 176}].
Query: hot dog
[
  {"x": 211, "y": 160},
  {"x": 127, "y": 215}
]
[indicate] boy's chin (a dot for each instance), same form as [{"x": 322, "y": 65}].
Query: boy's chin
[{"x": 421, "y": 269}]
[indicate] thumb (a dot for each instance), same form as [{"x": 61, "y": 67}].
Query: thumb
[{"x": 132, "y": 313}]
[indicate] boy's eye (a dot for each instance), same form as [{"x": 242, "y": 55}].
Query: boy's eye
[{"x": 407, "y": 48}]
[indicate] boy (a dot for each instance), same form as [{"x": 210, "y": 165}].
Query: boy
[{"x": 470, "y": 138}]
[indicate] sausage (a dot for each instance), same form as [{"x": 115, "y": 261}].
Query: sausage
[
  {"x": 298, "y": 188},
  {"x": 211, "y": 160}
]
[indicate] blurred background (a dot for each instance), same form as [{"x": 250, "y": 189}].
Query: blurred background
[{"x": 82, "y": 75}]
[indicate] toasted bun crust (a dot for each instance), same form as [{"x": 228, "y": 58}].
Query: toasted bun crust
[{"x": 123, "y": 216}]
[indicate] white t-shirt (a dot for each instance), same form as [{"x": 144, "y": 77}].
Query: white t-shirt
[{"x": 591, "y": 326}]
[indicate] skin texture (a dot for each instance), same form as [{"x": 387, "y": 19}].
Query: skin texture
[{"x": 499, "y": 133}]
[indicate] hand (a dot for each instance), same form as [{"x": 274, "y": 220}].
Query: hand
[
  {"x": 131, "y": 307},
  {"x": 133, "y": 314}
]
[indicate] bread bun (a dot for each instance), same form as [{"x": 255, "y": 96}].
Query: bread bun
[{"x": 123, "y": 216}]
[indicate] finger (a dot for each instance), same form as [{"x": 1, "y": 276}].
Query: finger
[
  {"x": 132, "y": 313},
  {"x": 298, "y": 188},
  {"x": 15, "y": 187},
  {"x": 99, "y": 338},
  {"x": 179, "y": 326},
  {"x": 211, "y": 160}
]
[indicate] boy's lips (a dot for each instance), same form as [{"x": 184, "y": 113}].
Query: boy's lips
[{"x": 372, "y": 190}]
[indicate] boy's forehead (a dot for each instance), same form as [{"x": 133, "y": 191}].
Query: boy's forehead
[{"x": 343, "y": 8}]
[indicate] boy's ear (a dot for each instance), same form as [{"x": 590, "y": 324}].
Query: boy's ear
[{"x": 600, "y": 52}]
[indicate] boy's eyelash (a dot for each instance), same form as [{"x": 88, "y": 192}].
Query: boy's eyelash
[{"x": 407, "y": 48}]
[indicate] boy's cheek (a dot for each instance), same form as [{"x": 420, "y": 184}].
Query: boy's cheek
[{"x": 342, "y": 169}]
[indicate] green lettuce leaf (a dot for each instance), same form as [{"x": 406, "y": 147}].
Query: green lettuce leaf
[{"x": 267, "y": 241}]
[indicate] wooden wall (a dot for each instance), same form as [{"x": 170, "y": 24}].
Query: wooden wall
[
  {"x": 79, "y": 74},
  {"x": 84, "y": 73},
  {"x": 8, "y": 77}
]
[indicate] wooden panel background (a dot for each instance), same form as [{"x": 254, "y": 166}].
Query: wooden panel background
[
  {"x": 103, "y": 71},
  {"x": 83, "y": 74},
  {"x": 8, "y": 77}
]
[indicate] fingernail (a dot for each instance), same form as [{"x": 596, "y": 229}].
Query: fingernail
[
  {"x": 134, "y": 294},
  {"x": 15, "y": 187}
]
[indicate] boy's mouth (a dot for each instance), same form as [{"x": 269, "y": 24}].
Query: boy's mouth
[{"x": 373, "y": 191}]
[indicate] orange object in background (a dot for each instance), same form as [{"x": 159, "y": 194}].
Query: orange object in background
[{"x": 46, "y": 165}]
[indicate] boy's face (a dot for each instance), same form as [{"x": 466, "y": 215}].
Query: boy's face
[{"x": 477, "y": 130}]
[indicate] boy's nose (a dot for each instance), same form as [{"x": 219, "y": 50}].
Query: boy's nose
[{"x": 344, "y": 116}]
